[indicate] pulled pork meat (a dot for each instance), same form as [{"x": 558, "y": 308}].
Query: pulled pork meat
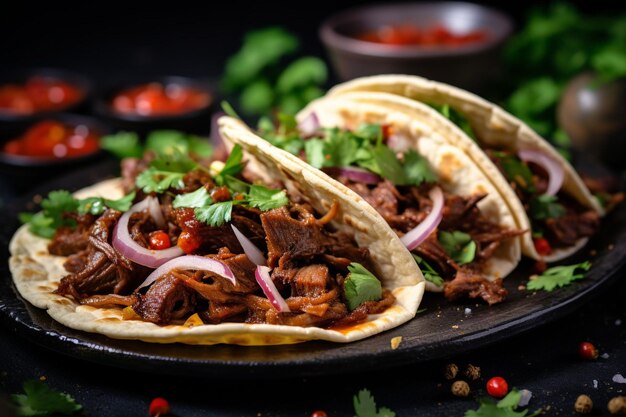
[{"x": 404, "y": 207}]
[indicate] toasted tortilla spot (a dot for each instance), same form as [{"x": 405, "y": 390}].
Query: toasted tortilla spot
[
  {"x": 449, "y": 164},
  {"x": 62, "y": 301},
  {"x": 107, "y": 319}
]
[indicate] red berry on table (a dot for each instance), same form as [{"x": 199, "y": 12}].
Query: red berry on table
[
  {"x": 159, "y": 407},
  {"x": 497, "y": 387},
  {"x": 319, "y": 413},
  {"x": 588, "y": 351}
]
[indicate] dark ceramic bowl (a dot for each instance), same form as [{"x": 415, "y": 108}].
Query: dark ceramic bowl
[
  {"x": 471, "y": 65},
  {"x": 193, "y": 121},
  {"x": 25, "y": 171},
  {"x": 13, "y": 123}
]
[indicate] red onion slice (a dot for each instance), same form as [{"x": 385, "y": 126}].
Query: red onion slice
[
  {"x": 252, "y": 252},
  {"x": 418, "y": 234},
  {"x": 353, "y": 173},
  {"x": 553, "y": 167},
  {"x": 124, "y": 243},
  {"x": 310, "y": 125},
  {"x": 155, "y": 211},
  {"x": 191, "y": 262},
  {"x": 262, "y": 275}
]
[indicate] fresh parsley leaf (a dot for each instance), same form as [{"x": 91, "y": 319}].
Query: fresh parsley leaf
[
  {"x": 459, "y": 245},
  {"x": 216, "y": 214},
  {"x": 154, "y": 180},
  {"x": 385, "y": 164},
  {"x": 195, "y": 199},
  {"x": 506, "y": 407},
  {"x": 122, "y": 145},
  {"x": 46, "y": 222},
  {"x": 516, "y": 170},
  {"x": 360, "y": 286},
  {"x": 266, "y": 198},
  {"x": 301, "y": 73},
  {"x": 416, "y": 168},
  {"x": 40, "y": 400},
  {"x": 97, "y": 205},
  {"x": 339, "y": 148},
  {"x": 39, "y": 224},
  {"x": 558, "y": 276},
  {"x": 257, "y": 97},
  {"x": 365, "y": 406},
  {"x": 232, "y": 166},
  {"x": 174, "y": 144},
  {"x": 430, "y": 274},
  {"x": 546, "y": 207},
  {"x": 371, "y": 132}
]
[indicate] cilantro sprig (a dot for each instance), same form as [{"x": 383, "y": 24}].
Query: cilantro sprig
[
  {"x": 459, "y": 245},
  {"x": 161, "y": 142},
  {"x": 455, "y": 117},
  {"x": 360, "y": 286},
  {"x": 60, "y": 202},
  {"x": 365, "y": 406},
  {"x": 430, "y": 274},
  {"x": 41, "y": 400},
  {"x": 558, "y": 276},
  {"x": 506, "y": 407}
]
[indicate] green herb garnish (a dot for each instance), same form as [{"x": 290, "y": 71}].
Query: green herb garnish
[
  {"x": 170, "y": 144},
  {"x": 216, "y": 214},
  {"x": 365, "y": 406},
  {"x": 457, "y": 118},
  {"x": 516, "y": 171},
  {"x": 558, "y": 276},
  {"x": 97, "y": 205},
  {"x": 506, "y": 407},
  {"x": 40, "y": 400},
  {"x": 430, "y": 274},
  {"x": 546, "y": 207},
  {"x": 458, "y": 245},
  {"x": 360, "y": 286}
]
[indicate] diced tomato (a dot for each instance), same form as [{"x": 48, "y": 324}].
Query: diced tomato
[
  {"x": 188, "y": 242},
  {"x": 159, "y": 240},
  {"x": 542, "y": 246}
]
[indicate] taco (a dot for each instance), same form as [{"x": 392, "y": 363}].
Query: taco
[
  {"x": 208, "y": 254},
  {"x": 544, "y": 192},
  {"x": 448, "y": 213}
]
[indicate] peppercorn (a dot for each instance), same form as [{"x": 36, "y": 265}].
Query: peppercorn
[
  {"x": 460, "y": 389},
  {"x": 472, "y": 372},
  {"x": 617, "y": 405},
  {"x": 451, "y": 371},
  {"x": 583, "y": 404}
]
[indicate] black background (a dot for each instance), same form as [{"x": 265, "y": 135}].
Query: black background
[{"x": 114, "y": 41}]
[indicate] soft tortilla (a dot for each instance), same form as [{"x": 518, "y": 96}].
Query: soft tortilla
[
  {"x": 457, "y": 173},
  {"x": 36, "y": 275},
  {"x": 493, "y": 126}
]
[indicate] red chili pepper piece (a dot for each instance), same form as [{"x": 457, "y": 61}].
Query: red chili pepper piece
[
  {"x": 159, "y": 240},
  {"x": 542, "y": 246},
  {"x": 159, "y": 407},
  {"x": 497, "y": 387},
  {"x": 588, "y": 351}
]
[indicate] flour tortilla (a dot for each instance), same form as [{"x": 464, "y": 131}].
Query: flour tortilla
[
  {"x": 36, "y": 275},
  {"x": 493, "y": 126},
  {"x": 456, "y": 172}
]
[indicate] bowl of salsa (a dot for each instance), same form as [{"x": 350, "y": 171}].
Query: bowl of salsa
[
  {"x": 453, "y": 42},
  {"x": 164, "y": 102},
  {"x": 37, "y": 93}
]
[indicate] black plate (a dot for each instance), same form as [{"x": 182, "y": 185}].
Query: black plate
[{"x": 443, "y": 329}]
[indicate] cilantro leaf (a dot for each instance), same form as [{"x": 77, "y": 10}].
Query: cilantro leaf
[
  {"x": 360, "y": 286},
  {"x": 39, "y": 224},
  {"x": 430, "y": 274},
  {"x": 266, "y": 198},
  {"x": 459, "y": 245},
  {"x": 97, "y": 205},
  {"x": 339, "y": 148},
  {"x": 122, "y": 145},
  {"x": 558, "y": 276},
  {"x": 229, "y": 110},
  {"x": 157, "y": 181},
  {"x": 546, "y": 207},
  {"x": 40, "y": 400},
  {"x": 371, "y": 132},
  {"x": 365, "y": 406},
  {"x": 506, "y": 407},
  {"x": 257, "y": 97},
  {"x": 385, "y": 164},
  {"x": 314, "y": 151},
  {"x": 216, "y": 214},
  {"x": 46, "y": 222},
  {"x": 455, "y": 117},
  {"x": 416, "y": 169},
  {"x": 516, "y": 170},
  {"x": 195, "y": 199},
  {"x": 232, "y": 166},
  {"x": 178, "y": 145},
  {"x": 300, "y": 73}
]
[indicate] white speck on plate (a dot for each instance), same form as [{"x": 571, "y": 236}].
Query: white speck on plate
[
  {"x": 619, "y": 379},
  {"x": 604, "y": 356},
  {"x": 525, "y": 397},
  {"x": 595, "y": 383},
  {"x": 468, "y": 311},
  {"x": 618, "y": 322}
]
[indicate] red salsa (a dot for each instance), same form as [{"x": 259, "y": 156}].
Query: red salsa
[
  {"x": 38, "y": 94},
  {"x": 411, "y": 35},
  {"x": 156, "y": 99},
  {"x": 54, "y": 140}
]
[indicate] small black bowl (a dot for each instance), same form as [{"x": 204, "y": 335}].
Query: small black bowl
[
  {"x": 13, "y": 123},
  {"x": 24, "y": 172},
  {"x": 192, "y": 121}
]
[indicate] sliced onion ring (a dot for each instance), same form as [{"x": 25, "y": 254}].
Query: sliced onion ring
[
  {"x": 262, "y": 275},
  {"x": 353, "y": 173},
  {"x": 552, "y": 167},
  {"x": 252, "y": 252},
  {"x": 124, "y": 243},
  {"x": 418, "y": 234},
  {"x": 191, "y": 262},
  {"x": 309, "y": 125},
  {"x": 155, "y": 211}
]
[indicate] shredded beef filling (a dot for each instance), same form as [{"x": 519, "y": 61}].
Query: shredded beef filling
[{"x": 404, "y": 207}]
